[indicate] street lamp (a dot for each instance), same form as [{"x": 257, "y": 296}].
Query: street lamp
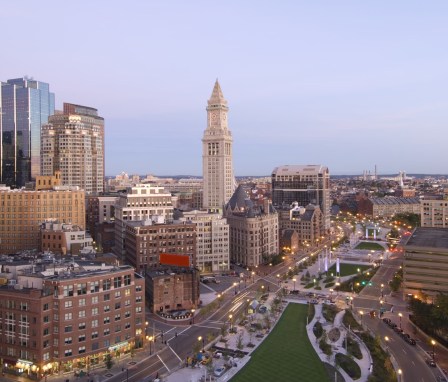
[
  {"x": 219, "y": 299},
  {"x": 399, "y": 375},
  {"x": 400, "y": 315},
  {"x": 253, "y": 276},
  {"x": 127, "y": 373},
  {"x": 382, "y": 286},
  {"x": 230, "y": 320},
  {"x": 433, "y": 343},
  {"x": 361, "y": 313},
  {"x": 200, "y": 338},
  {"x": 192, "y": 315},
  {"x": 294, "y": 281},
  {"x": 150, "y": 338},
  {"x": 235, "y": 284},
  {"x": 387, "y": 341}
]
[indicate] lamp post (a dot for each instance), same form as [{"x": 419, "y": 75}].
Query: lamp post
[
  {"x": 127, "y": 373},
  {"x": 433, "y": 343},
  {"x": 399, "y": 375},
  {"x": 400, "y": 315},
  {"x": 219, "y": 300},
  {"x": 294, "y": 281},
  {"x": 230, "y": 321},
  {"x": 192, "y": 315},
  {"x": 253, "y": 277},
  {"x": 200, "y": 338},
  {"x": 387, "y": 341},
  {"x": 146, "y": 329},
  {"x": 361, "y": 313},
  {"x": 150, "y": 345},
  {"x": 382, "y": 294},
  {"x": 235, "y": 285}
]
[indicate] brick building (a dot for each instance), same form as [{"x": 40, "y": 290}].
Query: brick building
[{"x": 63, "y": 318}]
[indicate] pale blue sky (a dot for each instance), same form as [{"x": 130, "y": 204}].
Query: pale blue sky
[{"x": 347, "y": 84}]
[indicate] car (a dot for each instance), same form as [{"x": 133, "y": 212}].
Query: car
[
  {"x": 219, "y": 371},
  {"x": 411, "y": 341},
  {"x": 393, "y": 325},
  {"x": 441, "y": 378},
  {"x": 431, "y": 362},
  {"x": 398, "y": 330},
  {"x": 386, "y": 320}
]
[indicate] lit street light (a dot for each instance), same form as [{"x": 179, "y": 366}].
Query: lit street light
[
  {"x": 387, "y": 341},
  {"x": 230, "y": 320},
  {"x": 433, "y": 343},
  {"x": 399, "y": 375},
  {"x": 200, "y": 338},
  {"x": 361, "y": 313},
  {"x": 400, "y": 315},
  {"x": 294, "y": 281},
  {"x": 192, "y": 315}
]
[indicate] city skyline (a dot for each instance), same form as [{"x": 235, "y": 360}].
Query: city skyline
[{"x": 345, "y": 85}]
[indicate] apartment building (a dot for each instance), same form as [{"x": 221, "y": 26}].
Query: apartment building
[{"x": 62, "y": 318}]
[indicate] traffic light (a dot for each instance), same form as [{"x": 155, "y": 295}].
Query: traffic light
[
  {"x": 363, "y": 283},
  {"x": 370, "y": 283}
]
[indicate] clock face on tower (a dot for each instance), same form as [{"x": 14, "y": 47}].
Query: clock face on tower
[{"x": 214, "y": 116}]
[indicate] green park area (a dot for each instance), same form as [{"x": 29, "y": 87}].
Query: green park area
[
  {"x": 286, "y": 354},
  {"x": 370, "y": 246},
  {"x": 348, "y": 269}
]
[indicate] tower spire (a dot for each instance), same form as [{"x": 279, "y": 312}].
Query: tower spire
[{"x": 217, "y": 97}]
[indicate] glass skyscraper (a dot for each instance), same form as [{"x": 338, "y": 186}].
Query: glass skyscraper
[{"x": 25, "y": 104}]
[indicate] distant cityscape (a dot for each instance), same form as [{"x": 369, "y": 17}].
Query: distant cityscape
[{"x": 95, "y": 268}]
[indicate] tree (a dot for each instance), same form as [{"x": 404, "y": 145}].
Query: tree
[
  {"x": 239, "y": 342},
  {"x": 108, "y": 361},
  {"x": 223, "y": 330}
]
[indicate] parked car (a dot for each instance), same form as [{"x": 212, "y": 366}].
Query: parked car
[
  {"x": 431, "y": 362},
  {"x": 411, "y": 341},
  {"x": 386, "y": 320},
  {"x": 219, "y": 371}
]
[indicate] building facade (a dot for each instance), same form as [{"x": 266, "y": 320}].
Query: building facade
[
  {"x": 171, "y": 289},
  {"x": 425, "y": 265},
  {"x": 434, "y": 212},
  {"x": 212, "y": 241},
  {"x": 67, "y": 321},
  {"x": 23, "y": 211},
  {"x": 100, "y": 220},
  {"x": 140, "y": 202},
  {"x": 25, "y": 105},
  {"x": 306, "y": 221},
  {"x": 309, "y": 184},
  {"x": 388, "y": 206},
  {"x": 63, "y": 239},
  {"x": 253, "y": 230},
  {"x": 145, "y": 240},
  {"x": 217, "y": 163},
  {"x": 73, "y": 143}
]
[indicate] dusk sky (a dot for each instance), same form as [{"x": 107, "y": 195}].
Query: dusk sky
[{"x": 346, "y": 84}]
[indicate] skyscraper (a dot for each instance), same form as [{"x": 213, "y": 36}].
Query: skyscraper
[
  {"x": 73, "y": 143},
  {"x": 217, "y": 164},
  {"x": 25, "y": 105},
  {"x": 309, "y": 184}
]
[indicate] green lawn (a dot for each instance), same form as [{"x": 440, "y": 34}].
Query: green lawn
[
  {"x": 348, "y": 269},
  {"x": 286, "y": 354},
  {"x": 368, "y": 245}
]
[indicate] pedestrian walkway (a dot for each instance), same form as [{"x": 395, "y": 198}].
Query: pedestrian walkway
[{"x": 338, "y": 346}]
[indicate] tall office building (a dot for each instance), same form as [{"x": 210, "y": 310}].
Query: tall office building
[
  {"x": 217, "y": 165},
  {"x": 25, "y": 105},
  {"x": 73, "y": 143},
  {"x": 309, "y": 184}
]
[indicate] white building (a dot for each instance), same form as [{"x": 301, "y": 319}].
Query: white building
[
  {"x": 140, "y": 202},
  {"x": 434, "y": 213},
  {"x": 217, "y": 164},
  {"x": 212, "y": 241}
]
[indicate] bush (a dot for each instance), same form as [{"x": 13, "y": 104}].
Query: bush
[
  {"x": 329, "y": 312},
  {"x": 353, "y": 348},
  {"x": 348, "y": 365},
  {"x": 350, "y": 322},
  {"x": 326, "y": 348},
  {"x": 311, "y": 312},
  {"x": 318, "y": 330},
  {"x": 329, "y": 285}
]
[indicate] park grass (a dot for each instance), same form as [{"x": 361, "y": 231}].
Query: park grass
[
  {"x": 348, "y": 269},
  {"x": 286, "y": 354},
  {"x": 370, "y": 246}
]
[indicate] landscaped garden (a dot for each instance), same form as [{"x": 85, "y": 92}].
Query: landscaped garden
[
  {"x": 273, "y": 361},
  {"x": 348, "y": 269},
  {"x": 370, "y": 246}
]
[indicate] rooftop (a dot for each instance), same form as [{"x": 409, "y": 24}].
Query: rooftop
[{"x": 436, "y": 238}]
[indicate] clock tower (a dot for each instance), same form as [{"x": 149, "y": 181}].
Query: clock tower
[{"x": 217, "y": 164}]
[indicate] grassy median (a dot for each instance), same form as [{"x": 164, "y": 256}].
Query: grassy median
[{"x": 286, "y": 354}]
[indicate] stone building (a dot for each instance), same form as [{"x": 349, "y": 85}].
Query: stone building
[{"x": 253, "y": 229}]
